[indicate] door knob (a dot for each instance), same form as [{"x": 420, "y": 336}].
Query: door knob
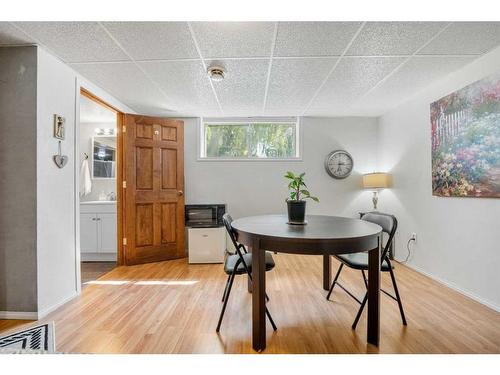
[{"x": 180, "y": 192}]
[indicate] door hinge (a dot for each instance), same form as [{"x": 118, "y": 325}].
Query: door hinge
[
  {"x": 124, "y": 242},
  {"x": 124, "y": 129},
  {"x": 124, "y": 184}
]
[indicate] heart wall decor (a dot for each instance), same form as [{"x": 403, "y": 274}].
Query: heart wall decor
[{"x": 59, "y": 159}]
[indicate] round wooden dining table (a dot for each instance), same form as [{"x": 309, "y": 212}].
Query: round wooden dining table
[{"x": 322, "y": 235}]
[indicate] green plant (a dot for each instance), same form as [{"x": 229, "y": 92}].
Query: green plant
[{"x": 298, "y": 188}]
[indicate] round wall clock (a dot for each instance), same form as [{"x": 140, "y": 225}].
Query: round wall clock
[{"x": 339, "y": 164}]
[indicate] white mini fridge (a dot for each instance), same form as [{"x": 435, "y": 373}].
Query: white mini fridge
[{"x": 206, "y": 245}]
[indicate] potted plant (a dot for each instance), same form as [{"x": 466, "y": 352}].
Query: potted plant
[{"x": 296, "y": 201}]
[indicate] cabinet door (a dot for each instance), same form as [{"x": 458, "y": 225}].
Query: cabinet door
[
  {"x": 88, "y": 233},
  {"x": 107, "y": 235}
]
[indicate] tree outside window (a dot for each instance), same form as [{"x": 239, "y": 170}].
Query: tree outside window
[{"x": 256, "y": 140}]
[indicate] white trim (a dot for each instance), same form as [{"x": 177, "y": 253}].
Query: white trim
[
  {"x": 20, "y": 315},
  {"x": 81, "y": 82},
  {"x": 98, "y": 257},
  {"x": 456, "y": 288},
  {"x": 258, "y": 160},
  {"x": 48, "y": 310},
  {"x": 270, "y": 67},
  {"x": 78, "y": 284},
  {"x": 248, "y": 120}
]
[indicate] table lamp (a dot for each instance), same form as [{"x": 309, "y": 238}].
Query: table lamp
[{"x": 376, "y": 181}]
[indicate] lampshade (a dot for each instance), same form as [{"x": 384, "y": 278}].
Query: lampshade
[{"x": 376, "y": 180}]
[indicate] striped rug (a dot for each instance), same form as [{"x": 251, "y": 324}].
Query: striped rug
[{"x": 38, "y": 338}]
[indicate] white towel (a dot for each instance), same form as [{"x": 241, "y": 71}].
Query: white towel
[{"x": 85, "y": 180}]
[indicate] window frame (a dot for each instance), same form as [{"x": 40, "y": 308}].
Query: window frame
[{"x": 201, "y": 149}]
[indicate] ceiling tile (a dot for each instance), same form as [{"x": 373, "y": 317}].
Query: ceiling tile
[
  {"x": 127, "y": 83},
  {"x": 293, "y": 82},
  {"x": 314, "y": 38},
  {"x": 413, "y": 76},
  {"x": 154, "y": 40},
  {"x": 185, "y": 83},
  {"x": 352, "y": 78},
  {"x": 465, "y": 38},
  {"x": 393, "y": 38},
  {"x": 243, "y": 86},
  {"x": 283, "y": 111},
  {"x": 234, "y": 39},
  {"x": 10, "y": 35},
  {"x": 75, "y": 41},
  {"x": 336, "y": 111}
]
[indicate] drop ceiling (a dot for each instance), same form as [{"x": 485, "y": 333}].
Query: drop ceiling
[{"x": 273, "y": 68}]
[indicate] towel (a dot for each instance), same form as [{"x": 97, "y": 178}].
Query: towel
[{"x": 85, "y": 181}]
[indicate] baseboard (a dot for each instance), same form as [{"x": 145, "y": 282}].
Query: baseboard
[
  {"x": 20, "y": 315},
  {"x": 98, "y": 257},
  {"x": 456, "y": 288},
  {"x": 48, "y": 310}
]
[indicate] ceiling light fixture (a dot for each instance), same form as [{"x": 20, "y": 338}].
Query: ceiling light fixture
[{"x": 216, "y": 73}]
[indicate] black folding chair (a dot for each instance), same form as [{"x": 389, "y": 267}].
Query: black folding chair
[
  {"x": 239, "y": 263},
  {"x": 359, "y": 261}
]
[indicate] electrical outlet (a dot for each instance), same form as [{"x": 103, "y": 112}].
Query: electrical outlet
[{"x": 413, "y": 237}]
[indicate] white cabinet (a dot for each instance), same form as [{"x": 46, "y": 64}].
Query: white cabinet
[
  {"x": 98, "y": 236},
  {"x": 206, "y": 245},
  {"x": 88, "y": 233},
  {"x": 106, "y": 233}
]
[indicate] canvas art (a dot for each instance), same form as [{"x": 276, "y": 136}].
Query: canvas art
[{"x": 466, "y": 141}]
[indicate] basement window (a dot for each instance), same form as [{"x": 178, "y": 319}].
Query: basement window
[{"x": 249, "y": 139}]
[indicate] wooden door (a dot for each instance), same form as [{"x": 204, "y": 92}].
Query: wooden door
[{"x": 153, "y": 189}]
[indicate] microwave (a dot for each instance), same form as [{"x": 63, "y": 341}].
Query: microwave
[{"x": 204, "y": 215}]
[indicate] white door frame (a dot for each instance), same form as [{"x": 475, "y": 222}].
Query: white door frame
[{"x": 80, "y": 83}]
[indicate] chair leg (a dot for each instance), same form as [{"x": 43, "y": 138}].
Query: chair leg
[
  {"x": 334, "y": 281},
  {"x": 398, "y": 297},
  {"x": 271, "y": 319},
  {"x": 225, "y": 289},
  {"x": 225, "y": 302},
  {"x": 360, "y": 311},
  {"x": 364, "y": 278}
]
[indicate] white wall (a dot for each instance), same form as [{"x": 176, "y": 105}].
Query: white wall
[
  {"x": 458, "y": 238},
  {"x": 55, "y": 187},
  {"x": 58, "y": 88},
  {"x": 258, "y": 187}
]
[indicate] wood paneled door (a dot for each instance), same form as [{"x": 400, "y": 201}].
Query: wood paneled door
[{"x": 153, "y": 189}]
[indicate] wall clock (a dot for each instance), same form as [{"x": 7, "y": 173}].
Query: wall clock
[{"x": 339, "y": 164}]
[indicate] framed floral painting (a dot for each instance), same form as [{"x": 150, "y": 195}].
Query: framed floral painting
[{"x": 465, "y": 129}]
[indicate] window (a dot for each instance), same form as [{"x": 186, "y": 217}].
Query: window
[{"x": 255, "y": 139}]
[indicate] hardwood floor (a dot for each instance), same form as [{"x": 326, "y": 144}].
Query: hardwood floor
[{"x": 172, "y": 307}]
